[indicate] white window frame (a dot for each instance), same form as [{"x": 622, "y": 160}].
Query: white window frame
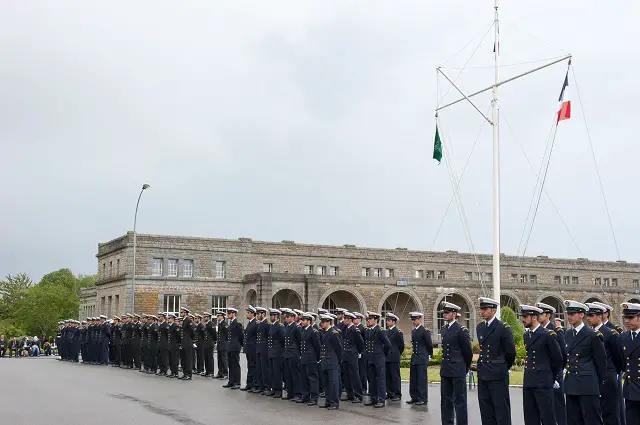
[
  {"x": 156, "y": 267},
  {"x": 575, "y": 280},
  {"x": 377, "y": 272},
  {"x": 597, "y": 281},
  {"x": 321, "y": 270},
  {"x": 187, "y": 268},
  {"x": 636, "y": 283},
  {"x": 267, "y": 267},
  {"x": 614, "y": 281},
  {"x": 389, "y": 273},
  {"x": 169, "y": 303},
  {"x": 419, "y": 274},
  {"x": 366, "y": 272},
  {"x": 441, "y": 275},
  {"x": 172, "y": 267},
  {"x": 524, "y": 278},
  {"x": 333, "y": 270},
  {"x": 308, "y": 269},
  {"x": 606, "y": 281},
  {"x": 219, "y": 303},
  {"x": 430, "y": 274},
  {"x": 221, "y": 269},
  {"x": 533, "y": 278}
]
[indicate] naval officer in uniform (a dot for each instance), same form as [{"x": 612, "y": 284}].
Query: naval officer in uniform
[
  {"x": 586, "y": 368},
  {"x": 542, "y": 365},
  {"x": 330, "y": 359},
  {"x": 630, "y": 342},
  {"x": 377, "y": 345},
  {"x": 497, "y": 354},
  {"x": 456, "y": 362}
]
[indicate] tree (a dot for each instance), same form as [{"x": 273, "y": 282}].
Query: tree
[
  {"x": 509, "y": 317},
  {"x": 62, "y": 277},
  {"x": 11, "y": 290},
  {"x": 86, "y": 281},
  {"x": 44, "y": 305}
]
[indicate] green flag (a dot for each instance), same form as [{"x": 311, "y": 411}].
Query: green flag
[{"x": 437, "y": 147}]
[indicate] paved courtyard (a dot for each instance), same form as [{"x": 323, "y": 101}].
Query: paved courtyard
[{"x": 43, "y": 390}]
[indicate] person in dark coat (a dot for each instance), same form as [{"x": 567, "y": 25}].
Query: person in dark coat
[
  {"x": 330, "y": 359},
  {"x": 250, "y": 336},
  {"x": 163, "y": 344},
  {"x": 309, "y": 358},
  {"x": 262, "y": 381},
  {"x": 586, "y": 367},
  {"x": 456, "y": 362},
  {"x": 353, "y": 347},
  {"x": 153, "y": 338},
  {"x": 630, "y": 343},
  {"x": 422, "y": 349},
  {"x": 542, "y": 365},
  {"x": 362, "y": 368},
  {"x": 609, "y": 397},
  {"x": 199, "y": 341},
  {"x": 276, "y": 353},
  {"x": 376, "y": 347},
  {"x": 222, "y": 329},
  {"x": 173, "y": 344},
  {"x": 235, "y": 341},
  {"x": 116, "y": 342},
  {"x": 187, "y": 344},
  {"x": 292, "y": 342},
  {"x": 209, "y": 340},
  {"x": 497, "y": 354},
  {"x": 392, "y": 365},
  {"x": 136, "y": 341}
]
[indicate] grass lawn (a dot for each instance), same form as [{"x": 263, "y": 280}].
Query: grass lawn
[{"x": 434, "y": 375}]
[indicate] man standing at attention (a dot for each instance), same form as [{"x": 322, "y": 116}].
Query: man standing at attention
[
  {"x": 497, "y": 354},
  {"x": 630, "y": 342}
]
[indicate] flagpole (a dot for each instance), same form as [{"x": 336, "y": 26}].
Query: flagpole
[{"x": 495, "y": 112}]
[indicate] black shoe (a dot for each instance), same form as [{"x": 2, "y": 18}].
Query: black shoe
[
  {"x": 332, "y": 408},
  {"x": 369, "y": 403},
  {"x": 321, "y": 394},
  {"x": 356, "y": 401},
  {"x": 186, "y": 377},
  {"x": 378, "y": 405},
  {"x": 396, "y": 398},
  {"x": 269, "y": 393},
  {"x": 412, "y": 401},
  {"x": 235, "y": 387},
  {"x": 227, "y": 386},
  {"x": 420, "y": 403},
  {"x": 277, "y": 394},
  {"x": 245, "y": 389},
  {"x": 312, "y": 403},
  {"x": 323, "y": 406}
]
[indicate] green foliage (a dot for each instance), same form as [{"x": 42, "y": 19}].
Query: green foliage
[
  {"x": 9, "y": 329},
  {"x": 436, "y": 359},
  {"x": 62, "y": 277},
  {"x": 521, "y": 354},
  {"x": 86, "y": 280},
  {"x": 11, "y": 290},
  {"x": 475, "y": 347},
  {"x": 508, "y": 317}
]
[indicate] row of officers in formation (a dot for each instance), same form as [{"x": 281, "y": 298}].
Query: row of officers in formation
[{"x": 587, "y": 374}]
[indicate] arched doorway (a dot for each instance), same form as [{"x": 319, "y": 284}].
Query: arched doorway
[
  {"x": 342, "y": 299},
  {"x": 400, "y": 304},
  {"x": 286, "y": 298},
  {"x": 507, "y": 300},
  {"x": 556, "y": 303},
  {"x": 594, "y": 299},
  {"x": 634, "y": 301},
  {"x": 250, "y": 298},
  {"x": 465, "y": 318}
]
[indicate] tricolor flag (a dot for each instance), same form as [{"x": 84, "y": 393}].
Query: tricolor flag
[{"x": 564, "y": 106}]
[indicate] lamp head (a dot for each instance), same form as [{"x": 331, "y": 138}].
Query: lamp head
[{"x": 145, "y": 186}]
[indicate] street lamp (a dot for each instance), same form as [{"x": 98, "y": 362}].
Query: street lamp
[{"x": 133, "y": 283}]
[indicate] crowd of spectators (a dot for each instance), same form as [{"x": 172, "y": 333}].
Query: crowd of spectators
[{"x": 25, "y": 347}]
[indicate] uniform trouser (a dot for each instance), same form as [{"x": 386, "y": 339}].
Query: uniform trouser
[
  {"x": 194, "y": 359},
  {"x": 559, "y": 403},
  {"x": 173, "y": 360},
  {"x": 453, "y": 398},
  {"x": 144, "y": 355},
  {"x": 263, "y": 381},
  {"x": 105, "y": 353},
  {"x": 163, "y": 360},
  {"x": 135, "y": 354},
  {"x": 201, "y": 359},
  {"x": 152, "y": 359},
  {"x": 187, "y": 360},
  {"x": 292, "y": 376},
  {"x": 352, "y": 383},
  {"x": 223, "y": 363},
  {"x": 321, "y": 380},
  {"x": 111, "y": 348},
  {"x": 275, "y": 372},
  {"x": 537, "y": 406},
  {"x": 309, "y": 382},
  {"x": 235, "y": 376},
  {"x": 250, "y": 354},
  {"x": 418, "y": 382},
  {"x": 376, "y": 378},
  {"x": 124, "y": 354},
  {"x": 362, "y": 367},
  {"x": 609, "y": 400},
  {"x": 208, "y": 360},
  {"x": 331, "y": 378},
  {"x": 494, "y": 402},
  {"x": 393, "y": 379},
  {"x": 583, "y": 410},
  {"x": 621, "y": 403},
  {"x": 632, "y": 411}
]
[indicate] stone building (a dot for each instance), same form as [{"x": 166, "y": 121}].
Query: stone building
[{"x": 205, "y": 274}]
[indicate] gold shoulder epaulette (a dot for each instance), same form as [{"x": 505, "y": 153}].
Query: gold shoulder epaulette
[
  {"x": 357, "y": 329},
  {"x": 506, "y": 325},
  {"x": 613, "y": 331},
  {"x": 315, "y": 330},
  {"x": 552, "y": 333},
  {"x": 464, "y": 329},
  {"x": 336, "y": 332},
  {"x": 598, "y": 334}
]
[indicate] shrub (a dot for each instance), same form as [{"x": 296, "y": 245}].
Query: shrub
[
  {"x": 507, "y": 316},
  {"x": 475, "y": 347}
]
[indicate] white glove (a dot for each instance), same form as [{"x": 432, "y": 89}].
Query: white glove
[
  {"x": 509, "y": 371},
  {"x": 556, "y": 385},
  {"x": 564, "y": 372},
  {"x": 195, "y": 346},
  {"x": 359, "y": 356}
]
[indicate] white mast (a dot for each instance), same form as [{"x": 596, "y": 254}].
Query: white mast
[{"x": 495, "y": 112}]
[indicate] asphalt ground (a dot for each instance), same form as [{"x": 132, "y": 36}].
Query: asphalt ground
[{"x": 44, "y": 390}]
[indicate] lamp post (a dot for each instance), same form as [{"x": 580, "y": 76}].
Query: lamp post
[{"x": 135, "y": 219}]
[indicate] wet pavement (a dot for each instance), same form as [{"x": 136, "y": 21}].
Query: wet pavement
[{"x": 44, "y": 390}]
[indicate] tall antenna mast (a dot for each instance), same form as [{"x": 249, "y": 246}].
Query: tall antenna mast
[{"x": 495, "y": 122}]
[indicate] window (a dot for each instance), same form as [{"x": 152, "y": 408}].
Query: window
[
  {"x": 431, "y": 274},
  {"x": 172, "y": 304},
  {"x": 118, "y": 267},
  {"x": 636, "y": 283},
  {"x": 556, "y": 280},
  {"x": 109, "y": 305},
  {"x": 267, "y": 267},
  {"x": 533, "y": 278},
  {"x": 488, "y": 277},
  {"x": 321, "y": 270},
  {"x": 377, "y": 272},
  {"x": 218, "y": 302},
  {"x": 366, "y": 272},
  {"x": 110, "y": 268},
  {"x": 524, "y": 278},
  {"x": 605, "y": 282},
  {"x": 333, "y": 270},
  {"x": 574, "y": 280},
  {"x": 514, "y": 277},
  {"x": 476, "y": 276},
  {"x": 221, "y": 269},
  {"x": 597, "y": 281},
  {"x": 441, "y": 274},
  {"x": 565, "y": 280},
  {"x": 187, "y": 268},
  {"x": 104, "y": 270},
  {"x": 156, "y": 267},
  {"x": 389, "y": 273},
  {"x": 468, "y": 275},
  {"x": 419, "y": 274},
  {"x": 614, "y": 281},
  {"x": 116, "y": 308},
  {"x": 308, "y": 269},
  {"x": 172, "y": 268},
  {"x": 102, "y": 303}
]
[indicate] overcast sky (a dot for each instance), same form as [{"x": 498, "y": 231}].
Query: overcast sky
[{"x": 309, "y": 121}]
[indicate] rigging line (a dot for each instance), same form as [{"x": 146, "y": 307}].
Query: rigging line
[
  {"x": 593, "y": 154},
  {"x": 458, "y": 183},
  {"x": 465, "y": 64},
  {"x": 532, "y": 36},
  {"x": 463, "y": 217},
  {"x": 503, "y": 66},
  {"x": 538, "y": 179},
  {"x": 470, "y": 41},
  {"x": 545, "y": 190}
]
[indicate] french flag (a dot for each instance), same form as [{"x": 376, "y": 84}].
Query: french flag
[{"x": 564, "y": 107}]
